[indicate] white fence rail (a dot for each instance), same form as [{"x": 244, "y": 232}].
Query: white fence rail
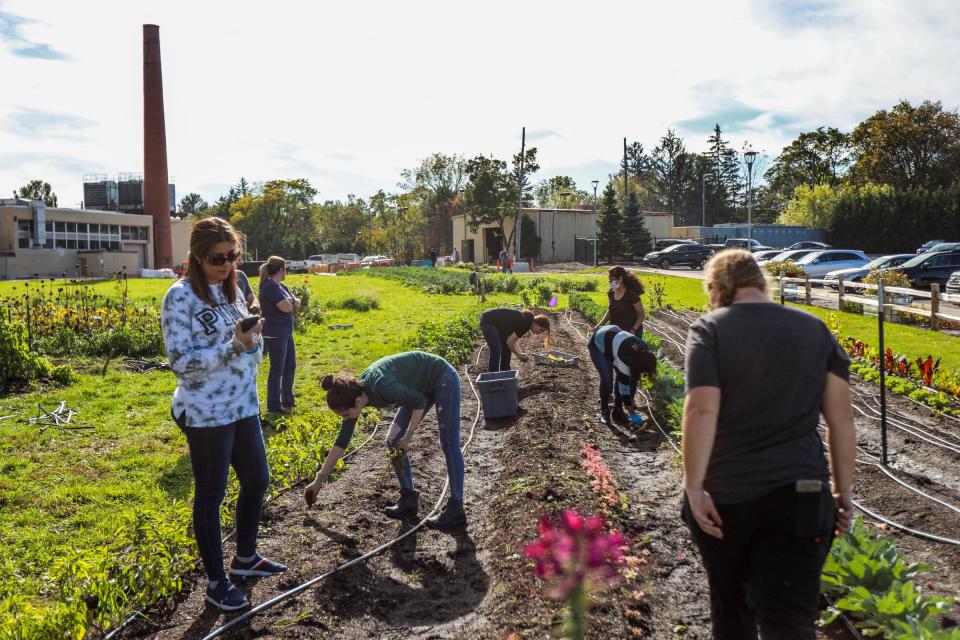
[{"x": 894, "y": 298}]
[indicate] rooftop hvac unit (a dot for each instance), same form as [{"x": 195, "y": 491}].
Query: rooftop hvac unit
[{"x": 130, "y": 192}]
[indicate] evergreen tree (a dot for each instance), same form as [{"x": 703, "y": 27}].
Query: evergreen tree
[
  {"x": 727, "y": 178},
  {"x": 611, "y": 242},
  {"x": 638, "y": 237}
]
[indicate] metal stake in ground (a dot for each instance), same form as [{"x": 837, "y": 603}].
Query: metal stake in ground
[{"x": 883, "y": 376}]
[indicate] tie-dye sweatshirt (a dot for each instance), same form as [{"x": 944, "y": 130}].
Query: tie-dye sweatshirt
[{"x": 215, "y": 384}]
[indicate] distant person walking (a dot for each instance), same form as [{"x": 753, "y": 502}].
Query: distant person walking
[
  {"x": 455, "y": 256},
  {"x": 434, "y": 254},
  {"x": 757, "y": 487},
  {"x": 215, "y": 403},
  {"x": 503, "y": 327},
  {"x": 505, "y": 261},
  {"x": 278, "y": 306},
  {"x": 416, "y": 381},
  {"x": 624, "y": 308}
]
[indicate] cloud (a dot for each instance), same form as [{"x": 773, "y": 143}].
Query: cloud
[
  {"x": 802, "y": 14},
  {"x": 11, "y": 32},
  {"x": 543, "y": 134},
  {"x": 37, "y": 123}
]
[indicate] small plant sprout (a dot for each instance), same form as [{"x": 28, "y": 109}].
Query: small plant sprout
[{"x": 575, "y": 555}]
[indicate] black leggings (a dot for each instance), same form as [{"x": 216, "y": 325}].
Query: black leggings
[{"x": 766, "y": 570}]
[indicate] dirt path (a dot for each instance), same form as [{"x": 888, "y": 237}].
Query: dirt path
[{"x": 932, "y": 469}]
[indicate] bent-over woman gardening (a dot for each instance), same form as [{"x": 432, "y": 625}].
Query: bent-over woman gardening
[{"x": 503, "y": 327}]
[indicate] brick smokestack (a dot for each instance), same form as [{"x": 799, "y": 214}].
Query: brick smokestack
[{"x": 156, "y": 196}]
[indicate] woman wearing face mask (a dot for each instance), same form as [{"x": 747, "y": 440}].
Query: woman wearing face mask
[
  {"x": 416, "y": 381},
  {"x": 624, "y": 308}
]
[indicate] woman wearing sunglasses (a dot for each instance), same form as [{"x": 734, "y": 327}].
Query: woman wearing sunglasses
[
  {"x": 215, "y": 403},
  {"x": 278, "y": 306}
]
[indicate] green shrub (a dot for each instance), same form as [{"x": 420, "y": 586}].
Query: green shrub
[
  {"x": 309, "y": 312},
  {"x": 452, "y": 340},
  {"x": 585, "y": 305},
  {"x": 889, "y": 277},
  {"x": 18, "y": 364},
  {"x": 355, "y": 303},
  {"x": 785, "y": 268}
]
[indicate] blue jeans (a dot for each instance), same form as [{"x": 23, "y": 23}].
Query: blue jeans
[
  {"x": 283, "y": 367},
  {"x": 213, "y": 450},
  {"x": 500, "y": 353},
  {"x": 445, "y": 394},
  {"x": 605, "y": 369}
]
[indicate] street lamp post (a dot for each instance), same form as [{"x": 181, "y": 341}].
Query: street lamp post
[
  {"x": 553, "y": 228},
  {"x": 703, "y": 202},
  {"x": 749, "y": 157},
  {"x": 595, "y": 183}
]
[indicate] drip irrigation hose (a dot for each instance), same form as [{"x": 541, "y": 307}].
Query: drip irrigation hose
[
  {"x": 370, "y": 554},
  {"x": 896, "y": 525},
  {"x": 907, "y": 422},
  {"x": 139, "y": 612},
  {"x": 917, "y": 432}
]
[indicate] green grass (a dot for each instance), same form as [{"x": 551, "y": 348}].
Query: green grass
[{"x": 62, "y": 491}]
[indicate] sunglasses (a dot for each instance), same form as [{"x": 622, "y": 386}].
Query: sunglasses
[{"x": 218, "y": 261}]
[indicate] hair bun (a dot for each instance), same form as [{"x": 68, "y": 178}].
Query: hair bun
[{"x": 326, "y": 383}]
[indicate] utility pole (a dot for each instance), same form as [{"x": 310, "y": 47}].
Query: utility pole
[{"x": 523, "y": 149}]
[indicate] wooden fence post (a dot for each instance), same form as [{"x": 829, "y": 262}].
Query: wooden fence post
[
  {"x": 806, "y": 284},
  {"x": 934, "y": 306},
  {"x": 840, "y": 294}
]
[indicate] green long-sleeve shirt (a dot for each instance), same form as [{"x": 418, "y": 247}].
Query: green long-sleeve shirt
[{"x": 401, "y": 379}]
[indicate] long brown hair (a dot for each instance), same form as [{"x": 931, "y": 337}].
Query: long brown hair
[
  {"x": 203, "y": 236},
  {"x": 631, "y": 281},
  {"x": 342, "y": 391},
  {"x": 728, "y": 271},
  {"x": 538, "y": 319}
]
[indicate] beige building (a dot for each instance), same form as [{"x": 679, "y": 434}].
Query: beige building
[
  {"x": 38, "y": 241},
  {"x": 558, "y": 230}
]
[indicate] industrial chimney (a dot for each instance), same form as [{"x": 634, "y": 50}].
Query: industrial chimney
[{"x": 156, "y": 196}]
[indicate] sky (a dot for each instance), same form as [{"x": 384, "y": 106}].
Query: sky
[{"x": 348, "y": 94}]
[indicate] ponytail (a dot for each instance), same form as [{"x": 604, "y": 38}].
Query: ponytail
[
  {"x": 271, "y": 266},
  {"x": 342, "y": 391}
]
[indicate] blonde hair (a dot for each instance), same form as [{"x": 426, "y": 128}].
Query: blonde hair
[
  {"x": 728, "y": 271},
  {"x": 272, "y": 265}
]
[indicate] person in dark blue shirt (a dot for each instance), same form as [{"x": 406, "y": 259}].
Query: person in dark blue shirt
[{"x": 278, "y": 305}]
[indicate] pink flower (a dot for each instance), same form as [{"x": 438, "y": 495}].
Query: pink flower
[{"x": 575, "y": 551}]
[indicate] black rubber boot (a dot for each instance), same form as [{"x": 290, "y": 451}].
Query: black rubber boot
[
  {"x": 620, "y": 417},
  {"x": 453, "y": 516},
  {"x": 408, "y": 505},
  {"x": 605, "y": 415}
]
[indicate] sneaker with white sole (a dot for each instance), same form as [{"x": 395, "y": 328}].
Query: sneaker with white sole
[
  {"x": 259, "y": 566},
  {"x": 226, "y": 596}
]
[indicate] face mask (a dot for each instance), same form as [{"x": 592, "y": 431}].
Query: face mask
[{"x": 614, "y": 284}]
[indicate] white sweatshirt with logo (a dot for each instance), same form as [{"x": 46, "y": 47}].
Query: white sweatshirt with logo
[{"x": 215, "y": 384}]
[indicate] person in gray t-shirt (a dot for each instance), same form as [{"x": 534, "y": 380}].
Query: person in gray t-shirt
[{"x": 758, "y": 499}]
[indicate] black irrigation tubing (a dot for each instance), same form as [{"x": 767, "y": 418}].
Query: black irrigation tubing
[
  {"x": 139, "y": 612},
  {"x": 363, "y": 558},
  {"x": 887, "y": 473},
  {"x": 918, "y": 432}
]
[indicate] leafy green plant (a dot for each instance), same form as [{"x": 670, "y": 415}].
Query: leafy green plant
[
  {"x": 451, "y": 340},
  {"x": 785, "y": 268},
  {"x": 18, "y": 364},
  {"x": 585, "y": 305},
  {"x": 538, "y": 295},
  {"x": 359, "y": 303},
  {"x": 310, "y": 311}
]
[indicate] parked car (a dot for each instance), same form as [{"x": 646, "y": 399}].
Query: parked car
[
  {"x": 762, "y": 256},
  {"x": 857, "y": 273},
  {"x": 692, "y": 255},
  {"x": 374, "y": 261},
  {"x": 348, "y": 257},
  {"x": 323, "y": 258},
  {"x": 953, "y": 283},
  {"x": 820, "y": 263},
  {"x": 928, "y": 245},
  {"x": 743, "y": 243},
  {"x": 808, "y": 244},
  {"x": 927, "y": 268},
  {"x": 794, "y": 255},
  {"x": 297, "y": 266},
  {"x": 945, "y": 246},
  {"x": 663, "y": 243}
]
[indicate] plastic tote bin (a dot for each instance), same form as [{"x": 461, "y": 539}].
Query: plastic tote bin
[{"x": 498, "y": 393}]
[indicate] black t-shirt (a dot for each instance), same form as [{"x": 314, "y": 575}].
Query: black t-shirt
[
  {"x": 507, "y": 321},
  {"x": 770, "y": 363},
  {"x": 622, "y": 312}
]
